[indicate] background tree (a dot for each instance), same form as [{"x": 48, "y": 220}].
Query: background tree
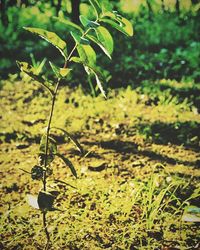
[
  {"x": 177, "y": 6},
  {"x": 149, "y": 2},
  {"x": 75, "y": 10},
  {"x": 163, "y": 5},
  {"x": 4, "y": 17}
]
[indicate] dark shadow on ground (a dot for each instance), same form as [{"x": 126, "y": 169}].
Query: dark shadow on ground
[
  {"x": 178, "y": 133},
  {"x": 127, "y": 147}
]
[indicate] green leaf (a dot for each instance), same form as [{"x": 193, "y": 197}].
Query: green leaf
[
  {"x": 37, "y": 65},
  {"x": 55, "y": 69},
  {"x": 72, "y": 138},
  {"x": 99, "y": 84},
  {"x": 117, "y": 26},
  {"x": 71, "y": 25},
  {"x": 52, "y": 38},
  {"x": 78, "y": 39},
  {"x": 105, "y": 38},
  {"x": 87, "y": 23},
  {"x": 32, "y": 72},
  {"x": 193, "y": 209},
  {"x": 84, "y": 20},
  {"x": 112, "y": 14},
  {"x": 59, "y": 72},
  {"x": 96, "y": 7},
  {"x": 95, "y": 40},
  {"x": 84, "y": 41},
  {"x": 118, "y": 22},
  {"x": 106, "y": 6},
  {"x": 92, "y": 70},
  {"x": 51, "y": 152},
  {"x": 93, "y": 24},
  {"x": 52, "y": 146},
  {"x": 87, "y": 54},
  {"x": 69, "y": 164},
  {"x": 64, "y": 71},
  {"x": 128, "y": 27},
  {"x": 42, "y": 157},
  {"x": 76, "y": 60},
  {"x": 191, "y": 214},
  {"x": 45, "y": 201}
]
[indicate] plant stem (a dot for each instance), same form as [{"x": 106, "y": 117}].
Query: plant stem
[
  {"x": 91, "y": 87},
  {"x": 45, "y": 229},
  {"x": 46, "y": 158},
  {"x": 48, "y": 131}
]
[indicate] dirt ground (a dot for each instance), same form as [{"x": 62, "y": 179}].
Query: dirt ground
[{"x": 128, "y": 140}]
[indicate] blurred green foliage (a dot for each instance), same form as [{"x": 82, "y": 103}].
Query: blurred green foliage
[{"x": 165, "y": 45}]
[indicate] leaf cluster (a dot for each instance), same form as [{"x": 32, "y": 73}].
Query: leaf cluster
[{"x": 92, "y": 32}]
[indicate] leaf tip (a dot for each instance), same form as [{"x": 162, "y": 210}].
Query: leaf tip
[{"x": 18, "y": 64}]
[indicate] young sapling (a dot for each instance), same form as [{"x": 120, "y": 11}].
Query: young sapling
[{"x": 91, "y": 32}]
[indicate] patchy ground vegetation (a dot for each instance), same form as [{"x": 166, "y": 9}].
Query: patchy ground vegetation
[{"x": 139, "y": 178}]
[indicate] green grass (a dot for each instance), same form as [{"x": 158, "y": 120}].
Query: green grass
[{"x": 140, "y": 174}]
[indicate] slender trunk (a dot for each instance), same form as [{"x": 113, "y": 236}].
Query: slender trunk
[
  {"x": 177, "y": 7},
  {"x": 25, "y": 2},
  {"x": 195, "y": 2},
  {"x": 163, "y": 6},
  {"x": 52, "y": 3},
  {"x": 58, "y": 7},
  {"x": 12, "y": 3},
  {"x": 150, "y": 9},
  {"x": 75, "y": 10},
  {"x": 4, "y": 17}
]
